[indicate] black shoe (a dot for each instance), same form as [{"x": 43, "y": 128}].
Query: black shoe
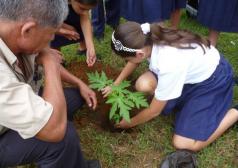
[
  {"x": 82, "y": 52},
  {"x": 180, "y": 158},
  {"x": 93, "y": 164}
]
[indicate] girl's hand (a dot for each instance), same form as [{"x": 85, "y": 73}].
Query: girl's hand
[
  {"x": 123, "y": 124},
  {"x": 106, "y": 91},
  {"x": 89, "y": 95},
  {"x": 91, "y": 56},
  {"x": 69, "y": 34}
]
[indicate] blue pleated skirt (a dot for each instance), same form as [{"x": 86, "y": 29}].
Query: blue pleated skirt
[
  {"x": 202, "y": 106},
  {"x": 73, "y": 19},
  {"x": 142, "y": 11},
  {"x": 220, "y": 15}
]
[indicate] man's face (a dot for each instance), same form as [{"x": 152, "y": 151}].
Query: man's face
[{"x": 35, "y": 39}]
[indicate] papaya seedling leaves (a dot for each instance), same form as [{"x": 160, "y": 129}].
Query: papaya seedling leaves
[
  {"x": 98, "y": 81},
  {"x": 121, "y": 99}
]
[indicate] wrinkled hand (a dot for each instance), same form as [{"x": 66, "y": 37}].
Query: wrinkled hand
[
  {"x": 123, "y": 124},
  {"x": 106, "y": 91},
  {"x": 49, "y": 54},
  {"x": 91, "y": 57},
  {"x": 89, "y": 95}
]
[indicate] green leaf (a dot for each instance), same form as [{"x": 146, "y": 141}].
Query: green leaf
[
  {"x": 98, "y": 81},
  {"x": 126, "y": 116},
  {"x": 116, "y": 118},
  {"x": 139, "y": 99},
  {"x": 121, "y": 89},
  {"x": 113, "y": 110},
  {"x": 128, "y": 102},
  {"x": 124, "y": 110}
]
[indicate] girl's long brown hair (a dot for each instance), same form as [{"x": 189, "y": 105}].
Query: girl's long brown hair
[{"x": 131, "y": 36}]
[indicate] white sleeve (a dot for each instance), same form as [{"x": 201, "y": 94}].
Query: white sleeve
[
  {"x": 170, "y": 84},
  {"x": 21, "y": 109}
]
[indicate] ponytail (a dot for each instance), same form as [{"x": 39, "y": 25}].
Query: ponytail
[{"x": 176, "y": 38}]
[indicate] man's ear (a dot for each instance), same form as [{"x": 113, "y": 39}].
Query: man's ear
[
  {"x": 27, "y": 28},
  {"x": 140, "y": 54}
]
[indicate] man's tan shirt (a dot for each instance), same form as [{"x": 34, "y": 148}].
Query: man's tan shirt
[{"x": 21, "y": 109}]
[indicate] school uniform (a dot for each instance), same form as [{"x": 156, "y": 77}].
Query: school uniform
[
  {"x": 73, "y": 19},
  {"x": 219, "y": 15},
  {"x": 198, "y": 85},
  {"x": 169, "y": 6},
  {"x": 108, "y": 13},
  {"x": 178, "y": 4},
  {"x": 142, "y": 11}
]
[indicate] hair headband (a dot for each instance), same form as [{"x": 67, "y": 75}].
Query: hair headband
[{"x": 119, "y": 46}]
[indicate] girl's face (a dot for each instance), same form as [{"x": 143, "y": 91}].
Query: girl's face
[{"x": 79, "y": 8}]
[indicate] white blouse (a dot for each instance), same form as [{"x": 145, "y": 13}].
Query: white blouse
[{"x": 176, "y": 67}]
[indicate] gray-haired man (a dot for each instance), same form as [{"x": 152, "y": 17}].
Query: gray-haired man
[{"x": 34, "y": 128}]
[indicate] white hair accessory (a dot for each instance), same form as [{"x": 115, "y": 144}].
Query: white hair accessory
[
  {"x": 145, "y": 27},
  {"x": 119, "y": 46}
]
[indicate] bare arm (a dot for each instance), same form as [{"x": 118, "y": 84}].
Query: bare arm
[
  {"x": 87, "y": 31},
  {"x": 87, "y": 93},
  {"x": 145, "y": 115},
  {"x": 127, "y": 70},
  {"x": 55, "y": 128}
]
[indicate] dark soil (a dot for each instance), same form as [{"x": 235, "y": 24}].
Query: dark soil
[{"x": 99, "y": 117}]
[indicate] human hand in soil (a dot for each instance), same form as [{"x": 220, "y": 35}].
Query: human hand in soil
[
  {"x": 106, "y": 91},
  {"x": 89, "y": 95},
  {"x": 91, "y": 56},
  {"x": 123, "y": 124},
  {"x": 49, "y": 54}
]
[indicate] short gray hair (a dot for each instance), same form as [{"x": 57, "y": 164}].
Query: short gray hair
[{"x": 44, "y": 12}]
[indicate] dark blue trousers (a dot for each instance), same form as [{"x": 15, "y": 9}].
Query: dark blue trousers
[
  {"x": 112, "y": 17},
  {"x": 65, "y": 154}
]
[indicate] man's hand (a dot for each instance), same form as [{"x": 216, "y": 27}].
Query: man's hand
[
  {"x": 89, "y": 95},
  {"x": 49, "y": 54}
]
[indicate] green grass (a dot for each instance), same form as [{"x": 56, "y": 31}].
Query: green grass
[{"x": 148, "y": 144}]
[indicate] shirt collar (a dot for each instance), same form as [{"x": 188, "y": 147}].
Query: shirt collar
[{"x": 7, "y": 53}]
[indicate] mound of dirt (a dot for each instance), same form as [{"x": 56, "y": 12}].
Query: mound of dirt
[{"x": 99, "y": 117}]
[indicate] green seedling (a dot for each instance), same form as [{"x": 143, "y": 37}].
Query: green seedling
[{"x": 121, "y": 99}]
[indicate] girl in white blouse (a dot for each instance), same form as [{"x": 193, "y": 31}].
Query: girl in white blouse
[{"x": 185, "y": 73}]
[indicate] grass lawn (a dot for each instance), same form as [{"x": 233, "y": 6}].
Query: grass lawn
[{"x": 148, "y": 144}]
